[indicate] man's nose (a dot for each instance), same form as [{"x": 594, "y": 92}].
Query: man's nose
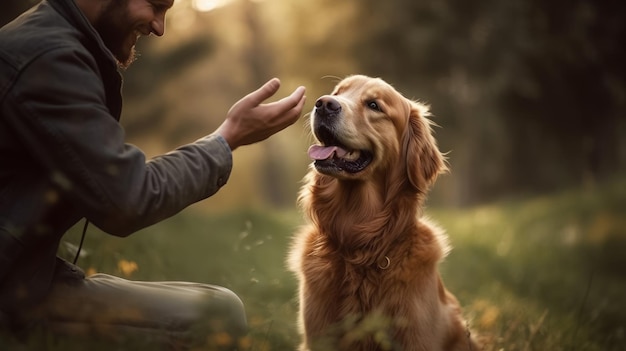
[{"x": 157, "y": 26}]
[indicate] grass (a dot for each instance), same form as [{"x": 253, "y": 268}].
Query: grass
[{"x": 545, "y": 273}]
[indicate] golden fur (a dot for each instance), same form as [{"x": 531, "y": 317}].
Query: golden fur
[{"x": 367, "y": 261}]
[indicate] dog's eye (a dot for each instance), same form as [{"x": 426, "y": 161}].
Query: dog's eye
[{"x": 373, "y": 105}]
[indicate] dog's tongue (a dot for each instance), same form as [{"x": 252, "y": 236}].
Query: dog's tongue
[{"x": 319, "y": 152}]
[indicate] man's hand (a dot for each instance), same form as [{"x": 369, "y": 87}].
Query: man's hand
[{"x": 249, "y": 121}]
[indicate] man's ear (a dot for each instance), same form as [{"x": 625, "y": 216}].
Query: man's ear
[{"x": 423, "y": 159}]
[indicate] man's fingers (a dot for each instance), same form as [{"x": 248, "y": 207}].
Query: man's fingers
[
  {"x": 292, "y": 114},
  {"x": 289, "y": 102},
  {"x": 249, "y": 120},
  {"x": 300, "y": 105},
  {"x": 297, "y": 95},
  {"x": 265, "y": 92}
]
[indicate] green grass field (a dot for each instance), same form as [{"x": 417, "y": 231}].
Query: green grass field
[{"x": 543, "y": 273}]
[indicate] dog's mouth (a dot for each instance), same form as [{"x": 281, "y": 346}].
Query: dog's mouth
[{"x": 334, "y": 157}]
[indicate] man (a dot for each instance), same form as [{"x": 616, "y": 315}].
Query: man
[{"x": 63, "y": 158}]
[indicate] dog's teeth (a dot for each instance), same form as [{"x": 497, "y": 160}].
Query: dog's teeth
[{"x": 352, "y": 155}]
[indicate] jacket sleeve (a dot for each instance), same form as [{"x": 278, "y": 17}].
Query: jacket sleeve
[{"x": 58, "y": 110}]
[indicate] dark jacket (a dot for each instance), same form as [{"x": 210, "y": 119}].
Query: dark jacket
[{"x": 62, "y": 150}]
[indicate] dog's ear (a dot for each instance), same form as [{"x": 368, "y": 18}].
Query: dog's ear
[{"x": 423, "y": 159}]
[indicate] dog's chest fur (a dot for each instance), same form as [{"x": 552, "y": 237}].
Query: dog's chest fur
[
  {"x": 350, "y": 283},
  {"x": 360, "y": 280}
]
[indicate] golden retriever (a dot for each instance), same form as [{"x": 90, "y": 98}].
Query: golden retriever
[{"x": 366, "y": 261}]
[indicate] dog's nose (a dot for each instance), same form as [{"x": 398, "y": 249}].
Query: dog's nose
[{"x": 326, "y": 106}]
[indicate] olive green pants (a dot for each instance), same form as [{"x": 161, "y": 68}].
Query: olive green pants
[{"x": 178, "y": 315}]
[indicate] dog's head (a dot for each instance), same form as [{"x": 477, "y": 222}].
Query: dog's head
[{"x": 366, "y": 129}]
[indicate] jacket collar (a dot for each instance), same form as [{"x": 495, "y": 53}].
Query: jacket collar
[{"x": 73, "y": 14}]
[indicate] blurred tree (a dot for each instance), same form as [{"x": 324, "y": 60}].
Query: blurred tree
[
  {"x": 531, "y": 94},
  {"x": 571, "y": 89},
  {"x": 257, "y": 58},
  {"x": 140, "y": 81}
]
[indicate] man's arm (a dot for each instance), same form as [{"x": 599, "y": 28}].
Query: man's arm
[{"x": 59, "y": 111}]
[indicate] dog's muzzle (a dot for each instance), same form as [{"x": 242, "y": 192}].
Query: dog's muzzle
[
  {"x": 327, "y": 106},
  {"x": 332, "y": 156}
]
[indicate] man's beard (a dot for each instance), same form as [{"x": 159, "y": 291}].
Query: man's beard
[{"x": 113, "y": 26}]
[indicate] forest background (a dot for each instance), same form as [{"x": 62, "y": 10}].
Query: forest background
[
  {"x": 530, "y": 95},
  {"x": 530, "y": 100}
]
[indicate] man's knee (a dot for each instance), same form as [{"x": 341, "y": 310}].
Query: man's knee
[
  {"x": 230, "y": 307},
  {"x": 222, "y": 321}
]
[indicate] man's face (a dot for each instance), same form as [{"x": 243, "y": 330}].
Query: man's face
[{"x": 121, "y": 22}]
